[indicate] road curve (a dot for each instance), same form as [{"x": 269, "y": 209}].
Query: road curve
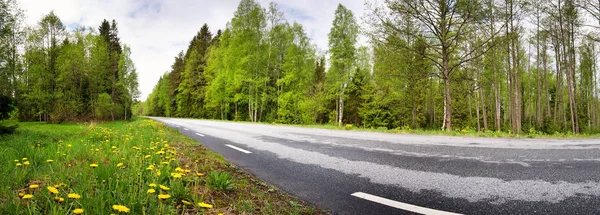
[{"x": 351, "y": 172}]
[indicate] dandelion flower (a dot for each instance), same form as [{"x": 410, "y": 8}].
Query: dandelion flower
[
  {"x": 164, "y": 196},
  {"x": 52, "y": 190},
  {"x": 114, "y": 147},
  {"x": 119, "y": 164},
  {"x": 49, "y": 161},
  {"x": 120, "y": 208},
  {"x": 19, "y": 164},
  {"x": 21, "y": 195},
  {"x": 34, "y": 186},
  {"x": 27, "y": 196},
  {"x": 78, "y": 211},
  {"x": 199, "y": 174},
  {"x": 151, "y": 191},
  {"x": 147, "y": 156},
  {"x": 157, "y": 172},
  {"x": 186, "y": 202},
  {"x": 16, "y": 161},
  {"x": 164, "y": 163},
  {"x": 165, "y": 188},
  {"x": 24, "y": 159},
  {"x": 204, "y": 205},
  {"x": 160, "y": 152},
  {"x": 152, "y": 185},
  {"x": 179, "y": 169},
  {"x": 176, "y": 175},
  {"x": 26, "y": 163},
  {"x": 73, "y": 196},
  {"x": 93, "y": 165},
  {"x": 187, "y": 171}
]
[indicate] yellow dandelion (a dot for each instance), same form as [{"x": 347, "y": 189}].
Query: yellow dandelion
[
  {"x": 61, "y": 200},
  {"x": 119, "y": 164},
  {"x": 165, "y": 188},
  {"x": 187, "y": 171},
  {"x": 151, "y": 191},
  {"x": 120, "y": 208},
  {"x": 93, "y": 165},
  {"x": 199, "y": 174},
  {"x": 49, "y": 161},
  {"x": 176, "y": 175},
  {"x": 147, "y": 156},
  {"x": 34, "y": 186},
  {"x": 164, "y": 196},
  {"x": 164, "y": 163},
  {"x": 24, "y": 159},
  {"x": 73, "y": 196},
  {"x": 114, "y": 147},
  {"x": 78, "y": 211},
  {"x": 160, "y": 152},
  {"x": 26, "y": 163},
  {"x": 179, "y": 169},
  {"x": 186, "y": 202},
  {"x": 204, "y": 205},
  {"x": 16, "y": 161},
  {"x": 19, "y": 164},
  {"x": 69, "y": 145},
  {"x": 27, "y": 196},
  {"x": 152, "y": 185},
  {"x": 21, "y": 195},
  {"x": 52, "y": 190}
]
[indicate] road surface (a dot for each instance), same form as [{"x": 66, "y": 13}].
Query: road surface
[{"x": 352, "y": 172}]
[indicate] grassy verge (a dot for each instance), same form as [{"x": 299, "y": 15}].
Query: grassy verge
[
  {"x": 139, "y": 167},
  {"x": 467, "y": 132}
]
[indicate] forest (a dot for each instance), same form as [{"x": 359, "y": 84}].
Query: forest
[
  {"x": 50, "y": 74},
  {"x": 486, "y": 65}
]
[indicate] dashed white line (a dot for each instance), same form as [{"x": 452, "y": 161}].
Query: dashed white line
[
  {"x": 199, "y": 134},
  {"x": 400, "y": 205},
  {"x": 239, "y": 149}
]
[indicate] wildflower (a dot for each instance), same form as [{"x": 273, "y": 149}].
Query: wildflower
[
  {"x": 176, "y": 175},
  {"x": 165, "y": 188},
  {"x": 157, "y": 172},
  {"x": 152, "y": 185},
  {"x": 34, "y": 186},
  {"x": 187, "y": 171},
  {"x": 120, "y": 208},
  {"x": 21, "y": 195},
  {"x": 186, "y": 202},
  {"x": 63, "y": 185},
  {"x": 73, "y": 196},
  {"x": 179, "y": 169},
  {"x": 93, "y": 165},
  {"x": 199, "y": 174},
  {"x": 114, "y": 147},
  {"x": 69, "y": 145},
  {"x": 19, "y": 164},
  {"x": 26, "y": 163},
  {"x": 204, "y": 205},
  {"x": 151, "y": 167},
  {"x": 16, "y": 161},
  {"x": 24, "y": 159},
  {"x": 164, "y": 163},
  {"x": 151, "y": 191},
  {"x": 119, "y": 164},
  {"x": 27, "y": 196},
  {"x": 49, "y": 161},
  {"x": 78, "y": 211},
  {"x": 52, "y": 190},
  {"x": 160, "y": 152},
  {"x": 164, "y": 196},
  {"x": 147, "y": 156}
]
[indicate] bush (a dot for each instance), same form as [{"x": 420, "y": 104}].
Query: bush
[
  {"x": 8, "y": 127},
  {"x": 220, "y": 181}
]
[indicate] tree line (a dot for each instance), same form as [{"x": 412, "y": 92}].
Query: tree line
[
  {"x": 471, "y": 65},
  {"x": 50, "y": 74}
]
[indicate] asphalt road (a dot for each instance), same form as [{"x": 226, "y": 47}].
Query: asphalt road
[{"x": 351, "y": 172}]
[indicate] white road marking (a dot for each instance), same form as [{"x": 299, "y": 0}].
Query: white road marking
[
  {"x": 186, "y": 129},
  {"x": 400, "y": 205},
  {"x": 239, "y": 149},
  {"x": 202, "y": 135}
]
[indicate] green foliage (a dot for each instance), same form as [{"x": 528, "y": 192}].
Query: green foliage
[
  {"x": 221, "y": 181},
  {"x": 103, "y": 107}
]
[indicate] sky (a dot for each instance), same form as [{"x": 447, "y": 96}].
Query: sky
[{"x": 157, "y": 30}]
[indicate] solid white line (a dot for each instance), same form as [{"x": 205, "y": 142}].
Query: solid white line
[
  {"x": 400, "y": 205},
  {"x": 202, "y": 135},
  {"x": 239, "y": 149}
]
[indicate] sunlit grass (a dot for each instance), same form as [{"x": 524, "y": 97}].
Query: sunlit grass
[{"x": 139, "y": 167}]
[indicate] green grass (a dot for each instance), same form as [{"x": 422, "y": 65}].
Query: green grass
[
  {"x": 468, "y": 132},
  {"x": 130, "y": 157}
]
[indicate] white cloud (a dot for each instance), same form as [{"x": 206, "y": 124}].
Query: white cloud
[{"x": 157, "y": 30}]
